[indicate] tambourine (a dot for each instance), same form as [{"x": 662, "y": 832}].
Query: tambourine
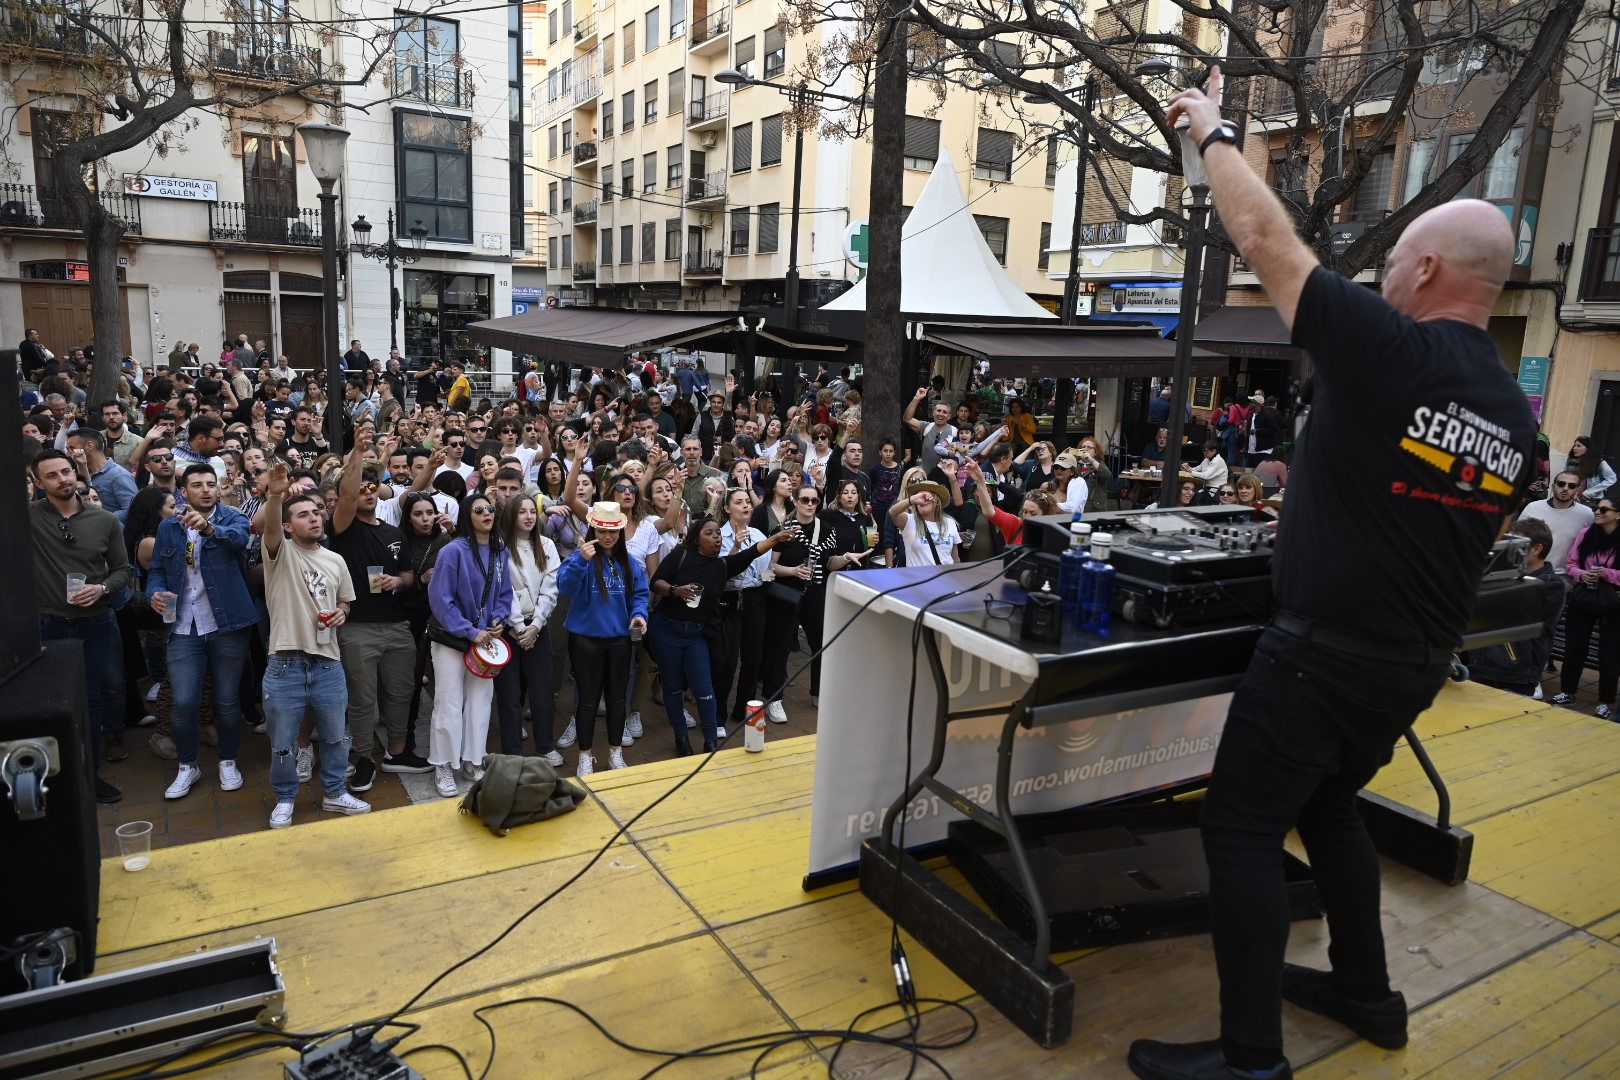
[{"x": 486, "y": 661}]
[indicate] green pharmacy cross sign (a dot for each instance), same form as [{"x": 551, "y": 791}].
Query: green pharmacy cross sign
[{"x": 858, "y": 244}]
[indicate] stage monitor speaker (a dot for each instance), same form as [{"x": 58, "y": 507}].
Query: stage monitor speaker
[{"x": 48, "y": 816}]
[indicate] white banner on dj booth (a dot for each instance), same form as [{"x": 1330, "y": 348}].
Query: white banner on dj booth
[{"x": 861, "y": 723}]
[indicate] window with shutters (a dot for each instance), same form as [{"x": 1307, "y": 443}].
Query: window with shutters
[
  {"x": 770, "y": 140},
  {"x": 567, "y": 196},
  {"x": 677, "y": 18},
  {"x": 994, "y": 157},
  {"x": 922, "y": 142},
  {"x": 1053, "y": 146},
  {"x": 607, "y": 119},
  {"x": 649, "y": 241},
  {"x": 674, "y": 166},
  {"x": 649, "y": 173},
  {"x": 1043, "y": 258},
  {"x": 551, "y": 252},
  {"x": 628, "y": 109},
  {"x": 994, "y": 230},
  {"x": 653, "y": 40},
  {"x": 672, "y": 239},
  {"x": 1121, "y": 19},
  {"x": 607, "y": 184},
  {"x": 743, "y": 60},
  {"x": 649, "y": 102},
  {"x": 607, "y": 54},
  {"x": 739, "y": 231},
  {"x": 1105, "y": 176},
  {"x": 775, "y": 50},
  {"x": 627, "y": 178},
  {"x": 629, "y": 36},
  {"x": 568, "y": 252},
  {"x": 552, "y": 203},
  {"x": 568, "y": 16},
  {"x": 551, "y": 28},
  {"x": 742, "y": 148},
  {"x": 677, "y": 91},
  {"x": 607, "y": 246},
  {"x": 1004, "y": 53},
  {"x": 770, "y": 225},
  {"x": 567, "y": 136},
  {"x": 551, "y": 141},
  {"x": 627, "y": 243}
]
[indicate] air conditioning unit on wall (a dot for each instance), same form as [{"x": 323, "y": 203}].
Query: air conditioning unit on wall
[
  {"x": 710, "y": 139},
  {"x": 705, "y": 219}
]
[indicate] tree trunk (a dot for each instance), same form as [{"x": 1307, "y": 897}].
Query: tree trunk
[
  {"x": 102, "y": 234},
  {"x": 881, "y": 392}
]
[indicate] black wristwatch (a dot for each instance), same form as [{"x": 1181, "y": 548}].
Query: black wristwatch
[{"x": 1224, "y": 133}]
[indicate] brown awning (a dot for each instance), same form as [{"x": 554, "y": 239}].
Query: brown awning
[
  {"x": 1096, "y": 351},
  {"x": 1247, "y": 331},
  {"x": 598, "y": 336}
]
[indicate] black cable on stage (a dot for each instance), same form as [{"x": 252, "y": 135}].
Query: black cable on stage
[{"x": 466, "y": 1066}]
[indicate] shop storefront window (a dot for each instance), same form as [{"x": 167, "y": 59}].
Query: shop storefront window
[{"x": 438, "y": 308}]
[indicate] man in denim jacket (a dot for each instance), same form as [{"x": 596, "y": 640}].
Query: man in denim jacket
[{"x": 199, "y": 565}]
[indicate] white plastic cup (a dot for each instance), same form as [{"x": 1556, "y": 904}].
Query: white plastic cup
[
  {"x": 75, "y": 582},
  {"x": 171, "y": 606},
  {"x": 697, "y": 596},
  {"x": 374, "y": 576},
  {"x": 135, "y": 844},
  {"x": 754, "y": 727}
]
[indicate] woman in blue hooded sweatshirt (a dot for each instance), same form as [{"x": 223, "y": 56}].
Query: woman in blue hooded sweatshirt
[{"x": 607, "y": 593}]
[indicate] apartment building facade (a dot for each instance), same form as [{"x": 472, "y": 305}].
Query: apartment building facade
[
  {"x": 665, "y": 188},
  {"x": 224, "y": 231}
]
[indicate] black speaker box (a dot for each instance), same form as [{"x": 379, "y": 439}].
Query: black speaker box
[{"x": 53, "y": 861}]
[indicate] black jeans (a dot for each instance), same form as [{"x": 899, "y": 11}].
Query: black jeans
[
  {"x": 1578, "y": 629},
  {"x": 782, "y": 623},
  {"x": 1307, "y": 729},
  {"x": 601, "y": 667},
  {"x": 534, "y": 667},
  {"x": 737, "y": 645}
]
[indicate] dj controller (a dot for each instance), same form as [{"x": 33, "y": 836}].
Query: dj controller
[{"x": 1188, "y": 566}]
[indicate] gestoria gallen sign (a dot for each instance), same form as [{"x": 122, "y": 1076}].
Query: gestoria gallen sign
[{"x": 171, "y": 187}]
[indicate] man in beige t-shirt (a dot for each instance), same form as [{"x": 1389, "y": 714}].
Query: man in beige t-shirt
[{"x": 308, "y": 590}]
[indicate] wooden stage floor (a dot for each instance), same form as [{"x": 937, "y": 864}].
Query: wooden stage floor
[{"x": 693, "y": 928}]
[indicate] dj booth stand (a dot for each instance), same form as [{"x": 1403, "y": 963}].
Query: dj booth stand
[{"x": 1089, "y": 676}]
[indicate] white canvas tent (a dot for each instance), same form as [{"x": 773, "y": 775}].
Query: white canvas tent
[{"x": 945, "y": 266}]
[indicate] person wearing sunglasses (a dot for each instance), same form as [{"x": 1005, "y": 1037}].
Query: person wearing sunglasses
[
  {"x": 1564, "y": 514},
  {"x": 1593, "y": 569},
  {"x": 71, "y": 538},
  {"x": 796, "y": 595}
]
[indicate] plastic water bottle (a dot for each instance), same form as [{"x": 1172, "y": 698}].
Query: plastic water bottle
[
  {"x": 1071, "y": 568},
  {"x": 1098, "y": 588}
]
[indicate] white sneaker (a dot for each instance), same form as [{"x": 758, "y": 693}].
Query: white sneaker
[
  {"x": 691, "y": 721},
  {"x": 616, "y": 758},
  {"x": 568, "y": 737},
  {"x": 344, "y": 803},
  {"x": 627, "y": 739},
  {"x": 281, "y": 816},
  {"x": 554, "y": 759},
  {"x": 1536, "y": 694},
  {"x": 260, "y": 728},
  {"x": 1562, "y": 699},
  {"x": 304, "y": 762},
  {"x": 1603, "y": 712},
  {"x": 147, "y": 721},
  {"x": 471, "y": 771},
  {"x": 775, "y": 713},
  {"x": 632, "y": 726},
  {"x": 587, "y": 764},
  {"x": 152, "y": 693},
  {"x": 230, "y": 777},
  {"x": 719, "y": 732},
  {"x": 189, "y": 775},
  {"x": 444, "y": 780}
]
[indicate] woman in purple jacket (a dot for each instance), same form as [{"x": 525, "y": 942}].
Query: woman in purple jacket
[{"x": 470, "y": 596}]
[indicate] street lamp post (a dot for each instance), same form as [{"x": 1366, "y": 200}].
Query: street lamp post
[
  {"x": 323, "y": 148},
  {"x": 392, "y": 254},
  {"x": 1197, "y": 178},
  {"x": 800, "y": 95}
]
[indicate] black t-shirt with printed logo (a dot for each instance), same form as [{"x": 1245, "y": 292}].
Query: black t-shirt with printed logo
[
  {"x": 1418, "y": 444},
  {"x": 363, "y": 545}
]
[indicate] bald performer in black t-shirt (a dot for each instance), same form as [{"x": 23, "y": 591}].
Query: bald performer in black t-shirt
[{"x": 1364, "y": 633}]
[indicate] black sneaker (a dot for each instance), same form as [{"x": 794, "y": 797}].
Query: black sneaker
[
  {"x": 1382, "y": 1023},
  {"x": 365, "y": 774},
  {"x": 409, "y": 761},
  {"x": 106, "y": 793}
]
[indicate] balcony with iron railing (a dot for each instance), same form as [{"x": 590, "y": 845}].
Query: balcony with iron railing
[
  {"x": 584, "y": 152},
  {"x": 585, "y": 32},
  {"x": 250, "y": 223},
  {"x": 702, "y": 112},
  {"x": 585, "y": 213},
  {"x": 264, "y": 52},
  {"x": 587, "y": 88},
  {"x": 42, "y": 32},
  {"x": 1337, "y": 77},
  {"x": 707, "y": 31},
  {"x": 703, "y": 263},
  {"x": 584, "y": 271},
  {"x": 1600, "y": 273},
  {"x": 1102, "y": 232},
  {"x": 441, "y": 84},
  {"x": 704, "y": 188},
  {"x": 21, "y": 209}
]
